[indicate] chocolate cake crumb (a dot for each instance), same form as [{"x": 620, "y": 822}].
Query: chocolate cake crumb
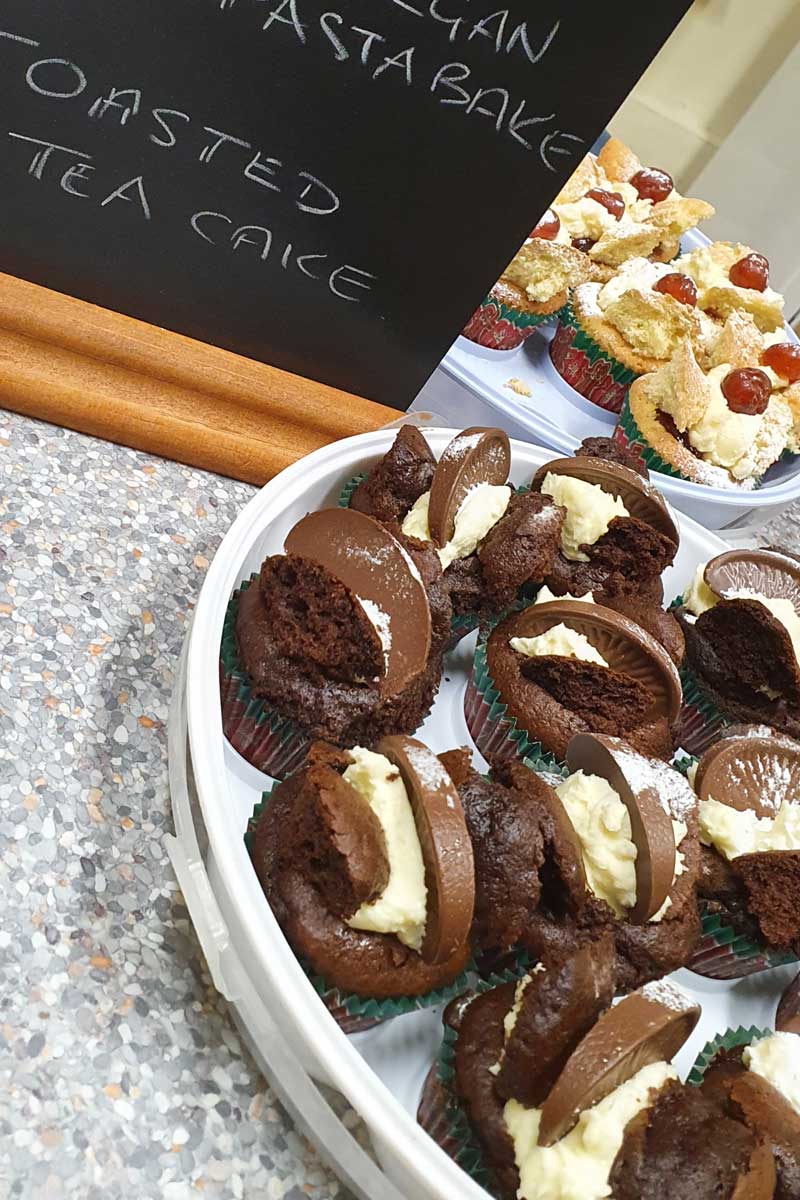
[
  {"x": 612, "y": 451},
  {"x": 741, "y": 649},
  {"x": 396, "y": 482},
  {"x": 331, "y": 832},
  {"x": 559, "y": 1006},
  {"x": 521, "y": 547},
  {"x": 607, "y": 700},
  {"x": 682, "y": 1146},
  {"x": 504, "y": 828},
  {"x": 772, "y": 880},
  {"x": 317, "y": 619}
]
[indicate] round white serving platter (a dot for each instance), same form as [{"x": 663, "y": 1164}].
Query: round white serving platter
[
  {"x": 470, "y": 386},
  {"x": 294, "y": 1039}
]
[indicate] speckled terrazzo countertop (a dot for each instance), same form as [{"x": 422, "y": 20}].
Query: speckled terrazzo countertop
[{"x": 121, "y": 1073}]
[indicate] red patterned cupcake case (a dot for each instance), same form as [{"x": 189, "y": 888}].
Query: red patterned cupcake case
[
  {"x": 497, "y": 326},
  {"x": 586, "y": 367}
]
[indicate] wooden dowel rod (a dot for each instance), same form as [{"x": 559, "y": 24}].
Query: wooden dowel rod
[{"x": 74, "y": 364}]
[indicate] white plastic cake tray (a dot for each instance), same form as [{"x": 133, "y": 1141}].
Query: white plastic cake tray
[
  {"x": 294, "y": 1039},
  {"x": 470, "y": 388}
]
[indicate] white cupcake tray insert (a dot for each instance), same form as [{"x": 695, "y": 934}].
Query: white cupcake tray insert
[
  {"x": 296, "y": 1042},
  {"x": 470, "y": 387}
]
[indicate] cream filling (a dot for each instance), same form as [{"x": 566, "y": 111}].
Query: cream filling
[
  {"x": 402, "y": 906},
  {"x": 545, "y": 596},
  {"x": 777, "y": 1059},
  {"x": 589, "y": 218},
  {"x": 590, "y": 511},
  {"x": 479, "y": 511},
  {"x": 733, "y": 832},
  {"x": 578, "y": 1165},
  {"x": 511, "y": 1017},
  {"x": 701, "y": 266},
  {"x": 603, "y": 827},
  {"x": 722, "y": 437},
  {"x": 382, "y": 624},
  {"x": 637, "y": 274},
  {"x": 699, "y": 597},
  {"x": 561, "y": 641}
]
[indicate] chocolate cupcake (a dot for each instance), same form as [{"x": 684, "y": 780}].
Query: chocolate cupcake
[
  {"x": 621, "y": 858},
  {"x": 617, "y": 538},
  {"x": 748, "y": 786},
  {"x": 366, "y": 862},
  {"x": 755, "y": 1078},
  {"x": 741, "y": 619},
  {"x": 489, "y": 539},
  {"x": 556, "y": 1086},
  {"x": 561, "y": 667},
  {"x": 340, "y": 638}
]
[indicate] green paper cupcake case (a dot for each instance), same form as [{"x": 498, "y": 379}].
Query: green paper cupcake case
[
  {"x": 628, "y": 435},
  {"x": 728, "y": 1040},
  {"x": 354, "y": 1013},
  {"x": 440, "y": 1113},
  {"x": 700, "y": 722},
  {"x": 727, "y": 952},
  {"x": 444, "y": 1120},
  {"x": 586, "y": 367},
  {"x": 499, "y": 326}
]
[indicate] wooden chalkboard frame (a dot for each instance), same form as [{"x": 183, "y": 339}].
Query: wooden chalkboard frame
[{"x": 74, "y": 364}]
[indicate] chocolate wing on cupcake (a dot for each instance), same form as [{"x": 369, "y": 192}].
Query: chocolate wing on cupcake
[
  {"x": 621, "y": 855},
  {"x": 490, "y": 541},
  {"x": 741, "y": 620},
  {"x": 366, "y": 861},
  {"x": 564, "y": 667},
  {"x": 342, "y": 638},
  {"x": 555, "y": 1083},
  {"x": 748, "y": 786},
  {"x": 617, "y": 538}
]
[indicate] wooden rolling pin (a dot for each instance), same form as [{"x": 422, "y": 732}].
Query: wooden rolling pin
[{"x": 74, "y": 364}]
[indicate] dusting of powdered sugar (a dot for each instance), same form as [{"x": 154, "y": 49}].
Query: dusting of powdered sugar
[
  {"x": 376, "y": 558},
  {"x": 587, "y": 296},
  {"x": 429, "y": 771},
  {"x": 667, "y": 994},
  {"x": 381, "y": 623},
  {"x": 672, "y": 789}
]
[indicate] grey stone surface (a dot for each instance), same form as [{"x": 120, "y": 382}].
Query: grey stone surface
[{"x": 121, "y": 1073}]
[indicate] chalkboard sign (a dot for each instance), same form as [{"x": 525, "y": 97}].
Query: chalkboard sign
[{"x": 329, "y": 187}]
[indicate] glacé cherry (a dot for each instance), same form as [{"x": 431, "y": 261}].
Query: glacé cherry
[
  {"x": 752, "y": 271},
  {"x": 652, "y": 184},
  {"x": 747, "y": 390},
  {"x": 611, "y": 201},
  {"x": 548, "y": 227},
  {"x": 679, "y": 286},
  {"x": 784, "y": 360}
]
